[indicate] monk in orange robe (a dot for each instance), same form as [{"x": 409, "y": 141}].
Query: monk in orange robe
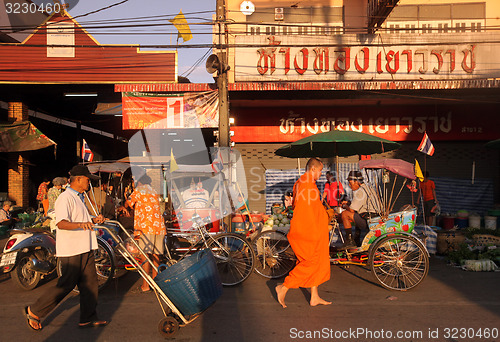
[{"x": 309, "y": 237}]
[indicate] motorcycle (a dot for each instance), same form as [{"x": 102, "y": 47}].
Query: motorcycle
[{"x": 29, "y": 255}]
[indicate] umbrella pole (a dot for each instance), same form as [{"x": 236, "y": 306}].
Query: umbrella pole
[{"x": 298, "y": 165}]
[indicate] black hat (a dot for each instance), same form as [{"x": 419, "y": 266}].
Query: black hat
[
  {"x": 355, "y": 176},
  {"x": 82, "y": 170}
]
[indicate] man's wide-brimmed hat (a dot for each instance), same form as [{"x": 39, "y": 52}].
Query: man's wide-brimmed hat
[
  {"x": 82, "y": 170},
  {"x": 355, "y": 176}
]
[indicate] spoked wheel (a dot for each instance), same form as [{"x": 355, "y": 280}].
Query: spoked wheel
[
  {"x": 274, "y": 257},
  {"x": 168, "y": 327},
  {"x": 234, "y": 257},
  {"x": 104, "y": 265},
  {"x": 399, "y": 262}
]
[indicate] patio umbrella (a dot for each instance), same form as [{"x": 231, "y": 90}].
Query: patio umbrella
[
  {"x": 495, "y": 144},
  {"x": 336, "y": 144}
]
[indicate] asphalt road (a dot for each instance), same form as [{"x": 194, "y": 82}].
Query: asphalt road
[{"x": 448, "y": 299}]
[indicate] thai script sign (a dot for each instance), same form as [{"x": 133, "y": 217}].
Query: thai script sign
[
  {"x": 364, "y": 57},
  {"x": 393, "y": 123}
]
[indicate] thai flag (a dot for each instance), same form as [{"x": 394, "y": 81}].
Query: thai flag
[
  {"x": 218, "y": 164},
  {"x": 87, "y": 154},
  {"x": 426, "y": 145}
]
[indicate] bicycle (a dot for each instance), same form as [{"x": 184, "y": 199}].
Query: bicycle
[{"x": 234, "y": 255}]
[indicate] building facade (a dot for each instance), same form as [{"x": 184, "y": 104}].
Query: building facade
[{"x": 300, "y": 68}]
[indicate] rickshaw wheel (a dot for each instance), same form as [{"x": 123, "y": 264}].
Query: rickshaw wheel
[
  {"x": 168, "y": 327},
  {"x": 234, "y": 257},
  {"x": 274, "y": 256},
  {"x": 399, "y": 262}
]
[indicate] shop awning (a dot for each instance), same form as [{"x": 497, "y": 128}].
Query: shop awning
[{"x": 22, "y": 136}]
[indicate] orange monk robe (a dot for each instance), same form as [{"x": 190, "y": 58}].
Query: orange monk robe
[{"x": 308, "y": 236}]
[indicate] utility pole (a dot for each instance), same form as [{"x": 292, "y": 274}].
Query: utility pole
[
  {"x": 224, "y": 137},
  {"x": 222, "y": 75}
]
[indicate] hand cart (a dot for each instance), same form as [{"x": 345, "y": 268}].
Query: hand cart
[{"x": 177, "y": 286}]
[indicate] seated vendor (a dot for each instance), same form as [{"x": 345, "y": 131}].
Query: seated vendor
[
  {"x": 365, "y": 204},
  {"x": 5, "y": 217},
  {"x": 195, "y": 196},
  {"x": 288, "y": 204}
]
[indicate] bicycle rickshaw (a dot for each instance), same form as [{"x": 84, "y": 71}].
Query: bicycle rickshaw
[
  {"x": 189, "y": 228},
  {"x": 397, "y": 258}
]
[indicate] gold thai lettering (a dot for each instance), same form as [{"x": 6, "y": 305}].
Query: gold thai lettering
[
  {"x": 342, "y": 124},
  {"x": 286, "y": 57},
  {"x": 392, "y": 56},
  {"x": 316, "y": 126},
  {"x": 360, "y": 126},
  {"x": 379, "y": 63},
  {"x": 409, "y": 60},
  {"x": 469, "y": 52},
  {"x": 325, "y": 125},
  {"x": 445, "y": 125},
  {"x": 366, "y": 60},
  {"x": 439, "y": 57},
  {"x": 382, "y": 125},
  {"x": 305, "y": 58},
  {"x": 422, "y": 122},
  {"x": 302, "y": 124},
  {"x": 321, "y": 60},
  {"x": 397, "y": 120},
  {"x": 452, "y": 59},
  {"x": 423, "y": 68},
  {"x": 343, "y": 58},
  {"x": 436, "y": 122},
  {"x": 266, "y": 55},
  {"x": 274, "y": 58}
]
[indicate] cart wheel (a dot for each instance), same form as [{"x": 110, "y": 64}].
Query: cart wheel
[
  {"x": 399, "y": 262},
  {"x": 234, "y": 257},
  {"x": 274, "y": 257},
  {"x": 168, "y": 327}
]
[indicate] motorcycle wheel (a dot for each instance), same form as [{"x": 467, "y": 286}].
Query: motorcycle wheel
[{"x": 25, "y": 278}]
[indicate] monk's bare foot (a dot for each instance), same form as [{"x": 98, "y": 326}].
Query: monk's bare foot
[
  {"x": 318, "y": 301},
  {"x": 280, "y": 293}
]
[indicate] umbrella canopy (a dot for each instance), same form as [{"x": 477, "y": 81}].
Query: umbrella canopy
[
  {"x": 495, "y": 144},
  {"x": 336, "y": 143},
  {"x": 398, "y": 166}
]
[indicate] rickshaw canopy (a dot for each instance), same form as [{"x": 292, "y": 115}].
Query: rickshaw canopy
[{"x": 397, "y": 166}]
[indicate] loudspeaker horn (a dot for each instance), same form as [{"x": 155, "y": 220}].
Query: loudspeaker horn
[{"x": 213, "y": 64}]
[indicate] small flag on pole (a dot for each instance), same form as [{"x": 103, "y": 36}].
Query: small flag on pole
[
  {"x": 87, "y": 154},
  {"x": 173, "y": 163},
  {"x": 418, "y": 171},
  {"x": 182, "y": 26},
  {"x": 426, "y": 145},
  {"x": 218, "y": 164}
]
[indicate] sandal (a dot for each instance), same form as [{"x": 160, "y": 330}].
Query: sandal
[
  {"x": 30, "y": 318},
  {"x": 93, "y": 324}
]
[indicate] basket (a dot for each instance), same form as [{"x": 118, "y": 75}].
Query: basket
[
  {"x": 448, "y": 241},
  {"x": 192, "y": 284},
  {"x": 486, "y": 240}
]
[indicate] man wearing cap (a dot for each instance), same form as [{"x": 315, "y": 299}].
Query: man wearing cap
[
  {"x": 365, "y": 204},
  {"x": 75, "y": 245}
]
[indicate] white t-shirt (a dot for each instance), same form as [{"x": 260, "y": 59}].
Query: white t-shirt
[
  {"x": 365, "y": 199},
  {"x": 71, "y": 208}
]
